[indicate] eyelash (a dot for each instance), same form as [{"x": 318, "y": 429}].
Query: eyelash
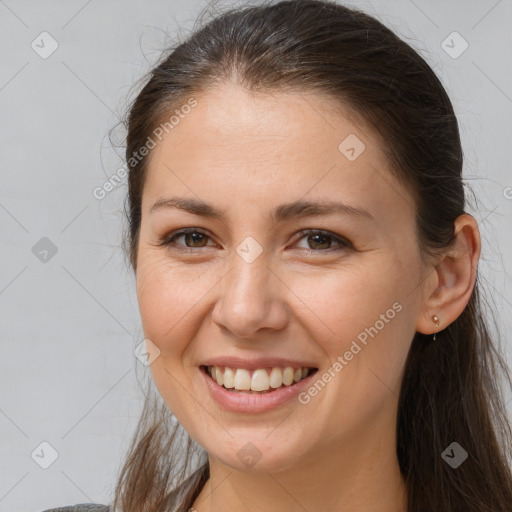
[{"x": 342, "y": 243}]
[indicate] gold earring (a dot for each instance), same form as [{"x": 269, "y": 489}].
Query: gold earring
[{"x": 435, "y": 319}]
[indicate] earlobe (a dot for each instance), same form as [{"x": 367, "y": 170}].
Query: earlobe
[
  {"x": 456, "y": 277},
  {"x": 435, "y": 319}
]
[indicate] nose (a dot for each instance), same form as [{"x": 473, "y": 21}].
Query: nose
[{"x": 251, "y": 298}]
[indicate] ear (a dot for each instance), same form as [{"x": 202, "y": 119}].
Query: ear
[{"x": 449, "y": 288}]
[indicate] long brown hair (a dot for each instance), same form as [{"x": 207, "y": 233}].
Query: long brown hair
[{"x": 451, "y": 389}]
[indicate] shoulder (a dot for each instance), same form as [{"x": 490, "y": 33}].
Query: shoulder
[{"x": 81, "y": 507}]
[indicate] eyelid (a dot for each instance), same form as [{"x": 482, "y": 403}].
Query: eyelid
[
  {"x": 168, "y": 240},
  {"x": 342, "y": 243}
]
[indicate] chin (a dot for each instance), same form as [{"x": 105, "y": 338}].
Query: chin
[{"x": 251, "y": 453}]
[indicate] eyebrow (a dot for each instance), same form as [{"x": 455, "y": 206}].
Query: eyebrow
[{"x": 296, "y": 209}]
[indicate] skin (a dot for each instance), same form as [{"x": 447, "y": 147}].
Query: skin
[{"x": 246, "y": 154}]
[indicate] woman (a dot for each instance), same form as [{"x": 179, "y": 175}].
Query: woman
[{"x": 307, "y": 278}]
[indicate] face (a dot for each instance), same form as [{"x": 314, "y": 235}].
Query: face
[{"x": 260, "y": 285}]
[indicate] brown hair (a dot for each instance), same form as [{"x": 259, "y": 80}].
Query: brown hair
[{"x": 450, "y": 389}]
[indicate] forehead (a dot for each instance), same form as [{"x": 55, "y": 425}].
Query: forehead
[{"x": 235, "y": 147}]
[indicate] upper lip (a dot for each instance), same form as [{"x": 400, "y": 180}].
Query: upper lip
[{"x": 256, "y": 362}]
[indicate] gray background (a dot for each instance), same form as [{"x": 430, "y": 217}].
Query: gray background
[{"x": 69, "y": 325}]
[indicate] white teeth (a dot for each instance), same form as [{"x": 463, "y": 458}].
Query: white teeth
[
  {"x": 218, "y": 376},
  {"x": 260, "y": 380},
  {"x": 240, "y": 379},
  {"x": 276, "y": 378},
  {"x": 288, "y": 376},
  {"x": 229, "y": 378}
]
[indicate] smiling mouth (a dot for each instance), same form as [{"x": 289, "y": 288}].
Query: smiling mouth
[{"x": 258, "y": 381}]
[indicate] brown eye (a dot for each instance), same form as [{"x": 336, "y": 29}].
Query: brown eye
[
  {"x": 318, "y": 241},
  {"x": 321, "y": 241},
  {"x": 193, "y": 239}
]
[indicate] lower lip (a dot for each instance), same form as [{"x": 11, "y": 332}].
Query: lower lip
[{"x": 253, "y": 402}]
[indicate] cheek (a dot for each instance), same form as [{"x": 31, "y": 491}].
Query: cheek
[
  {"x": 344, "y": 301},
  {"x": 359, "y": 314},
  {"x": 166, "y": 298}
]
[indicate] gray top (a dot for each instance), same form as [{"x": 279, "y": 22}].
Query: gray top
[{"x": 81, "y": 507}]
